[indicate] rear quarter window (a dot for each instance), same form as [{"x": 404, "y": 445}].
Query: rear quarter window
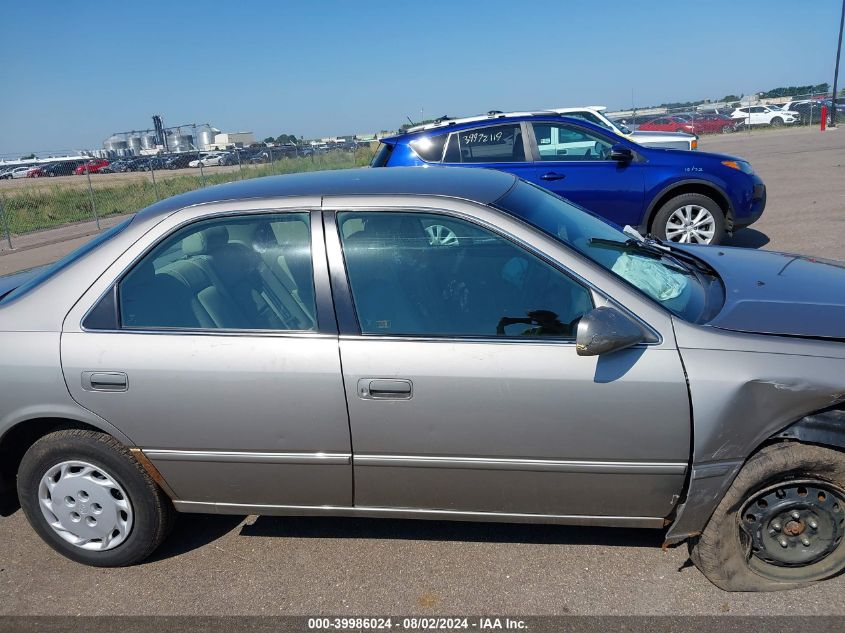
[{"x": 429, "y": 148}]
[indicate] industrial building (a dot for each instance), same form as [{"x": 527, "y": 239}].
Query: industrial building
[{"x": 190, "y": 137}]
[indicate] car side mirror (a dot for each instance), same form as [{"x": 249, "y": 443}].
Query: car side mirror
[
  {"x": 621, "y": 154},
  {"x": 605, "y": 330}
]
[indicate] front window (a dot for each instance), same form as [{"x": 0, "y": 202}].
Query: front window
[
  {"x": 561, "y": 142},
  {"x": 432, "y": 275},
  {"x": 677, "y": 286}
]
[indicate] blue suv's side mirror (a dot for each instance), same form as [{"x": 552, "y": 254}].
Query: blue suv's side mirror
[{"x": 621, "y": 154}]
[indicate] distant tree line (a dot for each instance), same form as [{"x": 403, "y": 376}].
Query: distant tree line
[
  {"x": 281, "y": 139},
  {"x": 794, "y": 91}
]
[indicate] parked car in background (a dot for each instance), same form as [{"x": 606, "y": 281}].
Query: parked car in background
[
  {"x": 668, "y": 124},
  {"x": 765, "y": 115},
  {"x": 115, "y": 167},
  {"x": 714, "y": 123},
  {"x": 21, "y": 172},
  {"x": 36, "y": 171},
  {"x": 473, "y": 347},
  {"x": 810, "y": 111},
  {"x": 675, "y": 194},
  {"x": 178, "y": 161},
  {"x": 91, "y": 167},
  {"x": 206, "y": 160},
  {"x": 64, "y": 168},
  {"x": 595, "y": 115}
]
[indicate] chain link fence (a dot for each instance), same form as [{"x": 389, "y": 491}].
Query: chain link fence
[{"x": 44, "y": 195}]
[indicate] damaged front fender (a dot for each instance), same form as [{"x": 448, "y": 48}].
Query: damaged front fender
[{"x": 746, "y": 389}]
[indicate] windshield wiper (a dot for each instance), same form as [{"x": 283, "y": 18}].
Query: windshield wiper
[{"x": 680, "y": 255}]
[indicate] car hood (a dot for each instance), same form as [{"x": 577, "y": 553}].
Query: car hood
[{"x": 778, "y": 293}]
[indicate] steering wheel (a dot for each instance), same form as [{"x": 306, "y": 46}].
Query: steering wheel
[
  {"x": 439, "y": 235},
  {"x": 604, "y": 151}
]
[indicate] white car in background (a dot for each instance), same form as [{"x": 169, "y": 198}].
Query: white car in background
[
  {"x": 765, "y": 115},
  {"x": 595, "y": 114},
  {"x": 17, "y": 172},
  {"x": 209, "y": 160}
]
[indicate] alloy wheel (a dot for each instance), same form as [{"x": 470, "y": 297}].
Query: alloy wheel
[{"x": 691, "y": 224}]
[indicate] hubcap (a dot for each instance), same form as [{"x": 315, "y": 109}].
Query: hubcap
[
  {"x": 691, "y": 224},
  {"x": 795, "y": 524},
  {"x": 439, "y": 235},
  {"x": 85, "y": 505}
]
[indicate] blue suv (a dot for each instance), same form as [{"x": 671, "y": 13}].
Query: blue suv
[{"x": 678, "y": 195}]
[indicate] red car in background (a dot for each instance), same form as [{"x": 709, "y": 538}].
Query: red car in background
[
  {"x": 92, "y": 166},
  {"x": 699, "y": 124}
]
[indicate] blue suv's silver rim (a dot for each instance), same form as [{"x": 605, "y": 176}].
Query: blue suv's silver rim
[
  {"x": 85, "y": 506},
  {"x": 691, "y": 224}
]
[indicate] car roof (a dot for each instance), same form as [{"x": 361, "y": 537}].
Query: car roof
[
  {"x": 516, "y": 117},
  {"x": 479, "y": 185}
]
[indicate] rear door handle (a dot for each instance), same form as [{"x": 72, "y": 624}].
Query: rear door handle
[
  {"x": 552, "y": 175},
  {"x": 104, "y": 381},
  {"x": 385, "y": 389}
]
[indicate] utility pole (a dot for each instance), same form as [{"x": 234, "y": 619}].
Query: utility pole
[{"x": 836, "y": 70}]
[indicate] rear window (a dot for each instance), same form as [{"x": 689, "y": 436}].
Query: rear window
[
  {"x": 64, "y": 262},
  {"x": 382, "y": 155}
]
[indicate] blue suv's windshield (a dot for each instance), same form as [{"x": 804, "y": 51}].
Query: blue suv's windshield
[{"x": 677, "y": 286}]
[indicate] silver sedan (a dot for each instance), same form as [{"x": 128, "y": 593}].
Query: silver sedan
[{"x": 460, "y": 344}]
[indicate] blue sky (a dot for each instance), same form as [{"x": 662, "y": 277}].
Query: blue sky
[{"x": 74, "y": 72}]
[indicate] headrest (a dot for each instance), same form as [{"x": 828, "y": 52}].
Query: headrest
[{"x": 206, "y": 241}]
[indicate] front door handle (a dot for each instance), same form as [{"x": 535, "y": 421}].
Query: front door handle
[
  {"x": 552, "y": 175},
  {"x": 385, "y": 389},
  {"x": 104, "y": 381}
]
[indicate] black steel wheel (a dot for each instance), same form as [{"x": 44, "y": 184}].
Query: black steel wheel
[
  {"x": 781, "y": 523},
  {"x": 795, "y": 526}
]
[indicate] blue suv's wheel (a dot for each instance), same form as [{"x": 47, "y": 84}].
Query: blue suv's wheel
[{"x": 690, "y": 218}]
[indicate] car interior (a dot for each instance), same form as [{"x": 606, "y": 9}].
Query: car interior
[
  {"x": 232, "y": 275},
  {"x": 406, "y": 280}
]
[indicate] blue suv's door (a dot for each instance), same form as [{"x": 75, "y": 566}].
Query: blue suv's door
[{"x": 575, "y": 163}]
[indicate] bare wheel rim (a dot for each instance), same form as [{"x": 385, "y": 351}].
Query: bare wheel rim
[
  {"x": 439, "y": 235},
  {"x": 795, "y": 528},
  {"x": 691, "y": 224},
  {"x": 85, "y": 506}
]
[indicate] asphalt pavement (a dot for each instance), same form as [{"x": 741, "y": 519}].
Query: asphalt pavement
[{"x": 213, "y": 565}]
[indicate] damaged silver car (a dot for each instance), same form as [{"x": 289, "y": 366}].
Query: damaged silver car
[{"x": 460, "y": 343}]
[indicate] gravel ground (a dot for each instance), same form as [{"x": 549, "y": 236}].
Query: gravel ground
[{"x": 305, "y": 566}]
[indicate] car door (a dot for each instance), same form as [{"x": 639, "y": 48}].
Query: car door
[
  {"x": 501, "y": 147},
  {"x": 575, "y": 163},
  {"x": 209, "y": 352},
  {"x": 464, "y": 390}
]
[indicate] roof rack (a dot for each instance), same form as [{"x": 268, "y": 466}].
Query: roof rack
[{"x": 497, "y": 114}]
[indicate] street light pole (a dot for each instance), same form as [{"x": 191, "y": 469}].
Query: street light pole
[{"x": 836, "y": 70}]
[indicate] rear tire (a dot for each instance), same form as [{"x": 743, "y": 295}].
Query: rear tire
[
  {"x": 725, "y": 552},
  {"x": 668, "y": 222},
  {"x": 141, "y": 509}
]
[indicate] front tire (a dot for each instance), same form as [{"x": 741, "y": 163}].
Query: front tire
[
  {"x": 777, "y": 121},
  {"x": 90, "y": 500},
  {"x": 781, "y": 523},
  {"x": 690, "y": 218}
]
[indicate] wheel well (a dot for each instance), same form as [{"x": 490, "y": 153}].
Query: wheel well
[
  {"x": 694, "y": 187},
  {"x": 14, "y": 445}
]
